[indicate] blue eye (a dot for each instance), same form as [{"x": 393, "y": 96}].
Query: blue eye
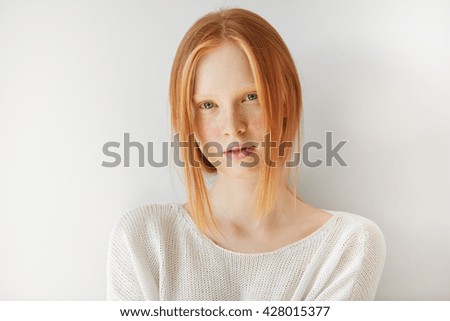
[
  {"x": 253, "y": 96},
  {"x": 207, "y": 105}
]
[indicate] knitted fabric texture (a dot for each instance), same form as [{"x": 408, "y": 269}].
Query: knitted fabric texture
[{"x": 156, "y": 252}]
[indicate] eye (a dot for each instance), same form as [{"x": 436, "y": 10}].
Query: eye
[
  {"x": 206, "y": 105},
  {"x": 252, "y": 96}
]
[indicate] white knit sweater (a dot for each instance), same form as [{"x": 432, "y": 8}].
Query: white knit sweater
[{"x": 156, "y": 252}]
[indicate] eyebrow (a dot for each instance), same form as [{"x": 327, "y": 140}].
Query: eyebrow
[{"x": 243, "y": 90}]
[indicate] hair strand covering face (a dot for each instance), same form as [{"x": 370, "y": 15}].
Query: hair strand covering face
[{"x": 279, "y": 92}]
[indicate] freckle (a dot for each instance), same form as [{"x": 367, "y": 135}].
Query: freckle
[
  {"x": 211, "y": 132},
  {"x": 215, "y": 131},
  {"x": 257, "y": 123}
]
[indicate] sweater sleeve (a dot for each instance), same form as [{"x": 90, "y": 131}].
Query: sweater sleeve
[
  {"x": 358, "y": 272},
  {"x": 121, "y": 275},
  {"x": 369, "y": 273}
]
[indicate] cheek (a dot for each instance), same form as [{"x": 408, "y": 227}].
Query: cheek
[
  {"x": 207, "y": 131},
  {"x": 256, "y": 124},
  {"x": 211, "y": 133}
]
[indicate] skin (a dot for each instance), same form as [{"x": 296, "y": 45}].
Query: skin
[
  {"x": 227, "y": 107},
  {"x": 227, "y": 110}
]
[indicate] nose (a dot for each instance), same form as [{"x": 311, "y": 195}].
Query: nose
[{"x": 233, "y": 122}]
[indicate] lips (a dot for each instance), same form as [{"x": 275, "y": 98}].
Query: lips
[{"x": 243, "y": 148}]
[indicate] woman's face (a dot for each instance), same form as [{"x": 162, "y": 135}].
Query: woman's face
[{"x": 227, "y": 111}]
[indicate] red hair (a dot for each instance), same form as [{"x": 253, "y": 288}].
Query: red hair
[{"x": 279, "y": 93}]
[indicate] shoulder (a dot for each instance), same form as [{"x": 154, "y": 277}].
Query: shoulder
[
  {"x": 357, "y": 230},
  {"x": 355, "y": 251},
  {"x": 144, "y": 219},
  {"x": 355, "y": 223},
  {"x": 146, "y": 212}
]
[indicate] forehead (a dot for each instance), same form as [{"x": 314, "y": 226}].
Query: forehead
[{"x": 223, "y": 70}]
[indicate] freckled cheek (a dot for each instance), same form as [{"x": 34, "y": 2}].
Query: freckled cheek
[
  {"x": 210, "y": 133},
  {"x": 256, "y": 125},
  {"x": 207, "y": 131}
]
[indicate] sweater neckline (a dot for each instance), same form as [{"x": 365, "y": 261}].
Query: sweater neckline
[{"x": 321, "y": 230}]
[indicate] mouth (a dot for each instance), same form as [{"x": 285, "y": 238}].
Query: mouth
[{"x": 244, "y": 149}]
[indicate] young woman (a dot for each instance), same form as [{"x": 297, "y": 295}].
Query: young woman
[{"x": 236, "y": 105}]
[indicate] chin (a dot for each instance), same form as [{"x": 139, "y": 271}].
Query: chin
[{"x": 237, "y": 171}]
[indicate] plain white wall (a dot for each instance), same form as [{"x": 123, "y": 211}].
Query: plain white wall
[{"x": 75, "y": 75}]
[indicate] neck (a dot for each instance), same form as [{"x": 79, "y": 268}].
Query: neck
[{"x": 234, "y": 203}]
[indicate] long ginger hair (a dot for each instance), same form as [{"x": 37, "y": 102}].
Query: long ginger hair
[{"x": 279, "y": 93}]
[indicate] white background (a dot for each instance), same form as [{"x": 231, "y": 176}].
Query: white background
[{"x": 75, "y": 75}]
